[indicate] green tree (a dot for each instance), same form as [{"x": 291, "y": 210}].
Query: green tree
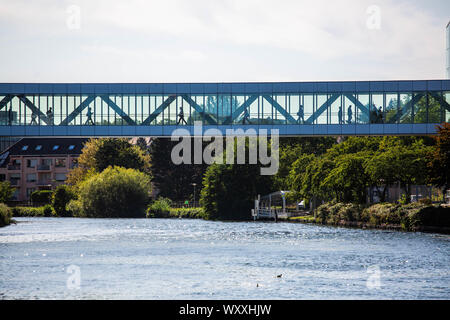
[
  {"x": 98, "y": 154},
  {"x": 439, "y": 159},
  {"x": 313, "y": 187},
  {"x": 293, "y": 148},
  {"x": 348, "y": 179},
  {"x": 174, "y": 181},
  {"x": 61, "y": 197},
  {"x": 229, "y": 191},
  {"x": 6, "y": 191},
  {"x": 115, "y": 192}
]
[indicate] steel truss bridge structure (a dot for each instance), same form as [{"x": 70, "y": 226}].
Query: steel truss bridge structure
[{"x": 156, "y": 109}]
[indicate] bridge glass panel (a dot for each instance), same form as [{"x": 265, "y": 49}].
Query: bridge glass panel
[
  {"x": 435, "y": 108},
  {"x": 377, "y": 108},
  {"x": 321, "y": 108},
  {"x": 447, "y": 106},
  {"x": 348, "y": 111},
  {"x": 266, "y": 111},
  {"x": 336, "y": 115},
  {"x": 391, "y": 107},
  {"x": 420, "y": 107},
  {"x": 308, "y": 101},
  {"x": 254, "y": 109},
  {"x": 362, "y": 113},
  {"x": 405, "y": 109}
]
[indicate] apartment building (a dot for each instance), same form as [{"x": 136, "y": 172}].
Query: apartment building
[{"x": 39, "y": 163}]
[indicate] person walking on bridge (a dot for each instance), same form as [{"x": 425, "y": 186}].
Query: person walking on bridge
[
  {"x": 89, "y": 117},
  {"x": 301, "y": 115},
  {"x": 181, "y": 116},
  {"x": 349, "y": 114},
  {"x": 246, "y": 117},
  {"x": 33, "y": 119}
]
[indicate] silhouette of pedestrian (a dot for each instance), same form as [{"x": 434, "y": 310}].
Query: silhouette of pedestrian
[
  {"x": 50, "y": 115},
  {"x": 246, "y": 117},
  {"x": 181, "y": 116},
  {"x": 10, "y": 116},
  {"x": 380, "y": 115},
  {"x": 89, "y": 117},
  {"x": 340, "y": 114},
  {"x": 349, "y": 114},
  {"x": 301, "y": 114},
  {"x": 33, "y": 119}
]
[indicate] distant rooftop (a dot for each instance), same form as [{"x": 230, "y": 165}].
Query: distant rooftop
[{"x": 43, "y": 147}]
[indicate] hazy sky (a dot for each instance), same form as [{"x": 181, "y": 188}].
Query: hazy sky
[{"x": 221, "y": 40}]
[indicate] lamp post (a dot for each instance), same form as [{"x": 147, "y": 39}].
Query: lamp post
[{"x": 194, "y": 184}]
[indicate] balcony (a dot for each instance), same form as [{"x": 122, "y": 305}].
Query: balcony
[
  {"x": 43, "y": 167},
  {"x": 13, "y": 166},
  {"x": 43, "y": 183}
]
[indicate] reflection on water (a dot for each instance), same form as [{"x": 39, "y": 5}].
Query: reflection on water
[{"x": 195, "y": 259}]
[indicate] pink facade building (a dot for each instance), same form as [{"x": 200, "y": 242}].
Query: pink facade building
[{"x": 39, "y": 163}]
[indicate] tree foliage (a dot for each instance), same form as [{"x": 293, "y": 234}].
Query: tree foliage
[
  {"x": 347, "y": 169},
  {"x": 115, "y": 192},
  {"x": 6, "y": 191},
  {"x": 439, "y": 159},
  {"x": 174, "y": 181},
  {"x": 61, "y": 197},
  {"x": 98, "y": 154}
]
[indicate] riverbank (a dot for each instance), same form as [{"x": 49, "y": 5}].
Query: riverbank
[
  {"x": 186, "y": 213},
  {"x": 409, "y": 217}
]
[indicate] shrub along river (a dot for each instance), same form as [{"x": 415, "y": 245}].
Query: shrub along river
[{"x": 74, "y": 258}]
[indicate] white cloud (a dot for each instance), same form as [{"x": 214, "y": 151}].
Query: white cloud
[{"x": 298, "y": 39}]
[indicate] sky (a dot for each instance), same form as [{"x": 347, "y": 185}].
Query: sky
[{"x": 221, "y": 40}]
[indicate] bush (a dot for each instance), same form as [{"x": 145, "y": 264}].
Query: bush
[
  {"x": 5, "y": 215},
  {"x": 159, "y": 208},
  {"x": 426, "y": 201},
  {"x": 188, "y": 213},
  {"x": 61, "y": 198},
  {"x": 116, "y": 192},
  {"x": 333, "y": 213},
  {"x": 42, "y": 196},
  {"x": 75, "y": 208},
  {"x": 45, "y": 211}
]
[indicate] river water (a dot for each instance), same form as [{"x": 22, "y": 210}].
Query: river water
[{"x": 67, "y": 258}]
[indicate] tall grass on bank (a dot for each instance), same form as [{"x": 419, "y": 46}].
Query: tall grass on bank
[
  {"x": 5, "y": 215},
  {"x": 407, "y": 217},
  {"x": 161, "y": 208}
]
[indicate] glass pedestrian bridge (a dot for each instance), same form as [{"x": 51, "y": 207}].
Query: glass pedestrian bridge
[{"x": 157, "y": 109}]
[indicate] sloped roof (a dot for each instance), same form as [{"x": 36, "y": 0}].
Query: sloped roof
[{"x": 46, "y": 147}]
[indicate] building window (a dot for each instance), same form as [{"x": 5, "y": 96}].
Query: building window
[
  {"x": 60, "y": 177},
  {"x": 47, "y": 162},
  {"x": 30, "y": 191},
  {"x": 14, "y": 179},
  {"x": 24, "y": 148},
  {"x": 15, "y": 195},
  {"x": 55, "y": 147},
  {"x": 71, "y": 147},
  {"x": 38, "y": 147},
  {"x": 31, "y": 177},
  {"x": 31, "y": 163},
  {"x": 60, "y": 163}
]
